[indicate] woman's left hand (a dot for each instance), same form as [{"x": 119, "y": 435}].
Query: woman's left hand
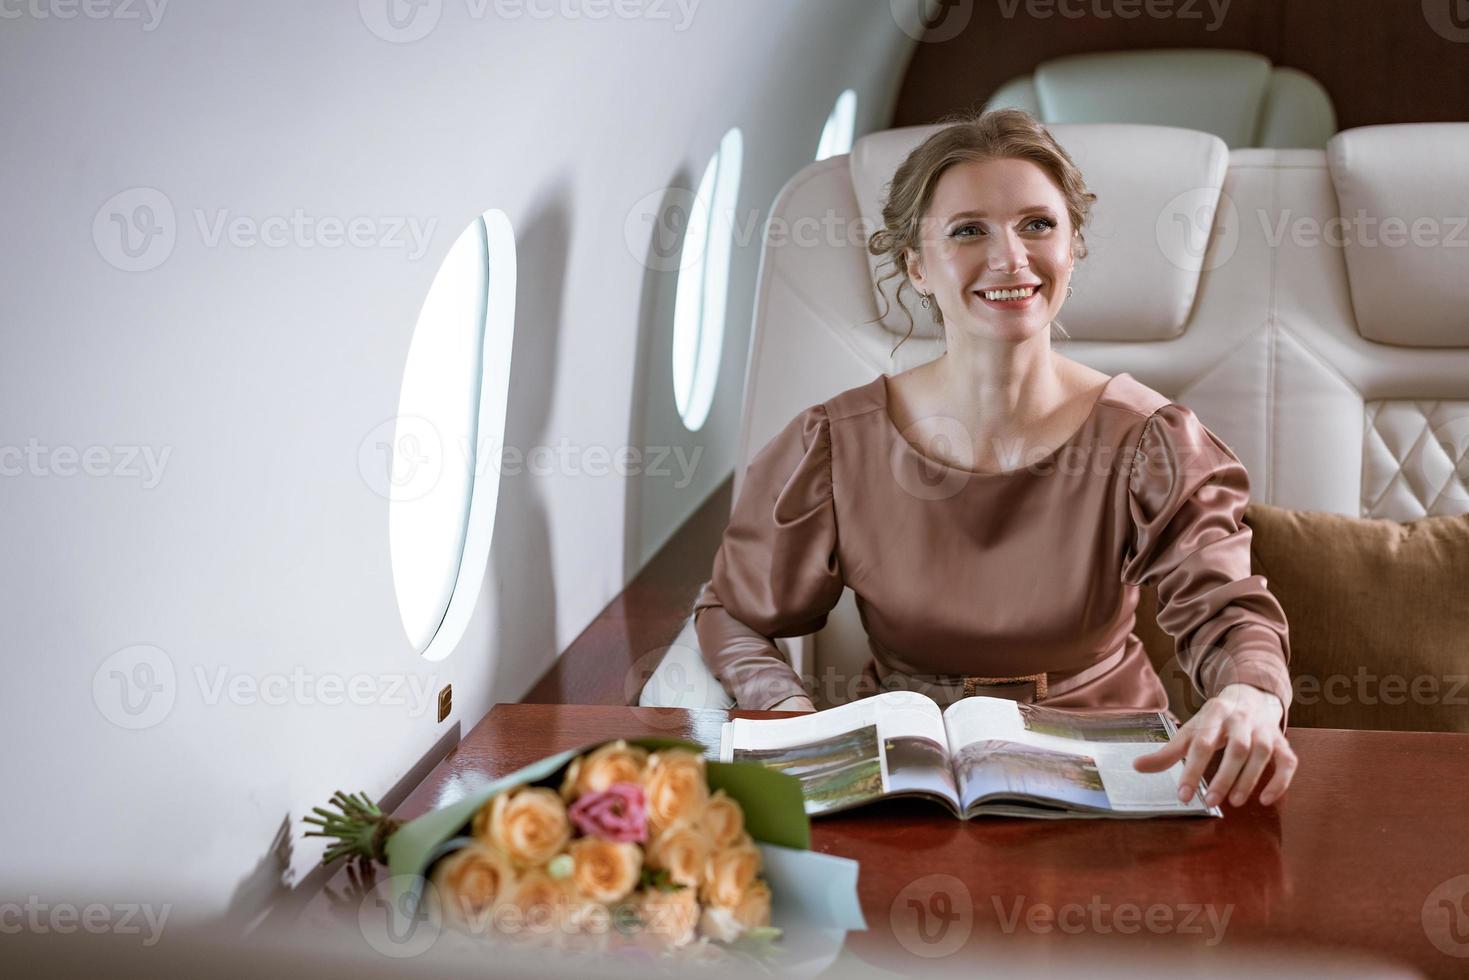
[{"x": 1245, "y": 722}]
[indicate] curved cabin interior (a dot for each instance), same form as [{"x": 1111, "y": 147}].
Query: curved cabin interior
[{"x": 380, "y": 379}]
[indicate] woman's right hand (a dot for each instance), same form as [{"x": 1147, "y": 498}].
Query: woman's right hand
[{"x": 796, "y": 702}]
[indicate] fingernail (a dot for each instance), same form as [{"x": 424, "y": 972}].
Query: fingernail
[
  {"x": 1212, "y": 799},
  {"x": 1183, "y": 793}
]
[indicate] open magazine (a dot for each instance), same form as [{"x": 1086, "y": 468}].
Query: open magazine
[{"x": 979, "y": 756}]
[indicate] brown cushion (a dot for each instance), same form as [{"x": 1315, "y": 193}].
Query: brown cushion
[{"x": 1378, "y": 613}]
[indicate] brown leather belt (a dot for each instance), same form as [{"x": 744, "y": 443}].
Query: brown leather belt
[{"x": 1026, "y": 688}]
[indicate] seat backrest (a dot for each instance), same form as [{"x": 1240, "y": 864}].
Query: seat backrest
[
  {"x": 1236, "y": 95},
  {"x": 1311, "y": 306}
]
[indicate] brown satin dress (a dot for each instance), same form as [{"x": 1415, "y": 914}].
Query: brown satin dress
[{"x": 1021, "y": 583}]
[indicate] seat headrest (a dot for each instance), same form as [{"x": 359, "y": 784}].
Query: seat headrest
[
  {"x": 1404, "y": 209},
  {"x": 1157, "y": 188}
]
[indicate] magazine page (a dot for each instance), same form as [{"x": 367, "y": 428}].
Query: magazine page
[
  {"x": 889, "y": 744},
  {"x": 1081, "y": 759}
]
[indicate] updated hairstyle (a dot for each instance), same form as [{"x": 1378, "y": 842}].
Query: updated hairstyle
[{"x": 969, "y": 136}]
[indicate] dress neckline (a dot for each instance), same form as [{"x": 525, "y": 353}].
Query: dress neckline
[{"x": 892, "y": 427}]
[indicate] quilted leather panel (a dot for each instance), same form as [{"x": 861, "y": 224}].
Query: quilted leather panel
[{"x": 1415, "y": 459}]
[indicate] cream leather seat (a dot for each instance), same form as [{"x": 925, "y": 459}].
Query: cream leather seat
[
  {"x": 1236, "y": 95},
  {"x": 1311, "y": 306}
]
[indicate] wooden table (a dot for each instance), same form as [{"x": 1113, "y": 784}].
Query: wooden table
[{"x": 1361, "y": 854}]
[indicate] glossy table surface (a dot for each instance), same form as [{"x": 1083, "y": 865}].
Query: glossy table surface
[{"x": 1367, "y": 853}]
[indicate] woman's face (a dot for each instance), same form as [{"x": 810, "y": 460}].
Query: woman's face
[{"x": 991, "y": 225}]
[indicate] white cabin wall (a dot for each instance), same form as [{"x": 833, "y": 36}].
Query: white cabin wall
[{"x": 261, "y": 551}]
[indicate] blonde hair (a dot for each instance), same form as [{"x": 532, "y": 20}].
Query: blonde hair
[{"x": 969, "y": 136}]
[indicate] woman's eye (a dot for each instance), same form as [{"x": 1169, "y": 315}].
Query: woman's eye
[
  {"x": 963, "y": 228},
  {"x": 1043, "y": 222}
]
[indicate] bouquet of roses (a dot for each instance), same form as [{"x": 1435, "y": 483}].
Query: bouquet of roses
[{"x": 641, "y": 843}]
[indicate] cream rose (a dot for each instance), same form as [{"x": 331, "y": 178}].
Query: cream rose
[
  {"x": 605, "y": 870},
  {"x": 682, "y": 850},
  {"x": 528, "y": 824},
  {"x": 669, "y": 918},
  {"x": 728, "y": 872},
  {"x": 723, "y": 819},
  {"x": 471, "y": 883},
  {"x": 545, "y": 905},
  {"x": 754, "y": 906},
  {"x": 676, "y": 788},
  {"x": 615, "y": 762}
]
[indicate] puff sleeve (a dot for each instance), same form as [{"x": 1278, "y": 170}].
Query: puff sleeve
[
  {"x": 1187, "y": 493},
  {"x": 776, "y": 572}
]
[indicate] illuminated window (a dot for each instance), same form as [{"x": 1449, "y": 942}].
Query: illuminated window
[
  {"x": 703, "y": 283},
  {"x": 836, "y": 136},
  {"x": 444, "y": 482}
]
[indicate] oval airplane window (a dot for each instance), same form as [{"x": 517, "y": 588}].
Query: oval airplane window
[
  {"x": 703, "y": 283},
  {"x": 836, "y": 136},
  {"x": 451, "y": 421}
]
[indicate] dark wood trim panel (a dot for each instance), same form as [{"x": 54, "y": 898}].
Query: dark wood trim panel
[{"x": 612, "y": 658}]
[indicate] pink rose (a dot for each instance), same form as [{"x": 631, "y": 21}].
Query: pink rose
[{"x": 617, "y": 813}]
